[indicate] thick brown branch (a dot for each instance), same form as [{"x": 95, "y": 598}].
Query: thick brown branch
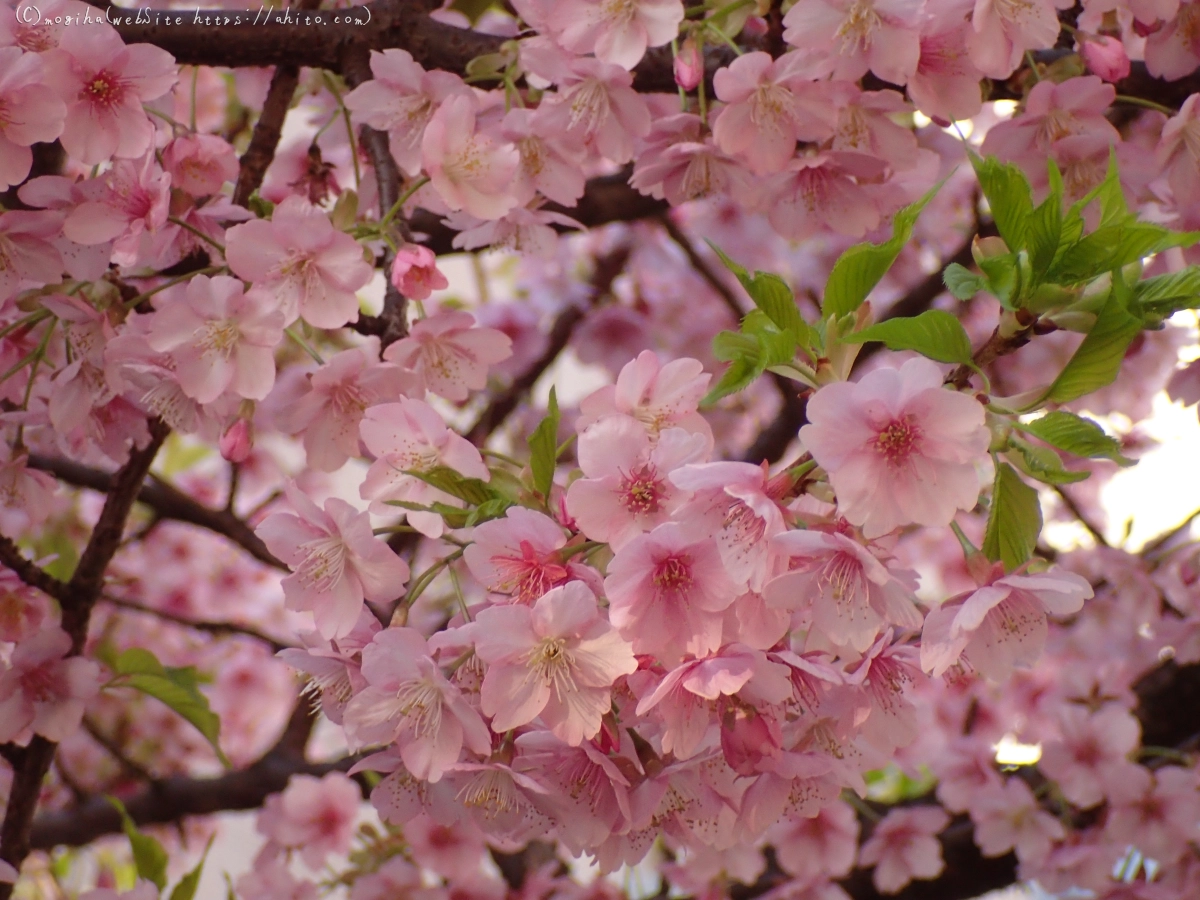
[
  {"x": 167, "y": 502},
  {"x": 607, "y": 269},
  {"x": 32, "y": 575},
  {"x": 267, "y": 130}
]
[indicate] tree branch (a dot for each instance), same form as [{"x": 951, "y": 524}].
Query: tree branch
[
  {"x": 167, "y": 502},
  {"x": 28, "y": 572},
  {"x": 219, "y": 629},
  {"x": 607, "y": 269}
]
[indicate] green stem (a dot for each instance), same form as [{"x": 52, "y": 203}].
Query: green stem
[
  {"x": 1146, "y": 104},
  {"x": 32, "y": 356},
  {"x": 329, "y": 83},
  {"x": 963, "y": 541},
  {"x": 426, "y": 577},
  {"x": 304, "y": 345},
  {"x": 503, "y": 457},
  {"x": 1037, "y": 76},
  {"x": 723, "y": 36},
  {"x": 404, "y": 198},
  {"x": 175, "y": 220},
  {"x": 28, "y": 321}
]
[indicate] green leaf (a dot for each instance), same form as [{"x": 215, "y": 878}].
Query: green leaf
[
  {"x": 1014, "y": 520},
  {"x": 1044, "y": 233},
  {"x": 1167, "y": 294},
  {"x": 148, "y": 854},
  {"x": 186, "y": 889},
  {"x": 934, "y": 333},
  {"x": 772, "y": 295},
  {"x": 739, "y": 376},
  {"x": 1042, "y": 464},
  {"x": 962, "y": 282},
  {"x": 1009, "y": 197},
  {"x": 446, "y": 479},
  {"x": 543, "y": 447},
  {"x": 177, "y": 688},
  {"x": 1098, "y": 359},
  {"x": 750, "y": 352},
  {"x": 861, "y": 267},
  {"x": 1002, "y": 277},
  {"x": 492, "y": 509},
  {"x": 1075, "y": 434}
]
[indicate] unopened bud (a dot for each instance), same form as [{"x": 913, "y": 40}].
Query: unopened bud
[
  {"x": 237, "y": 441},
  {"x": 689, "y": 65},
  {"x": 1105, "y": 56}
]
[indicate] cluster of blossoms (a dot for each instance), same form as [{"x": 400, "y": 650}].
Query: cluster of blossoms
[{"x": 632, "y": 641}]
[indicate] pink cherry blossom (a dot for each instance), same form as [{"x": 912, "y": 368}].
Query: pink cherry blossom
[
  {"x": 32, "y": 113},
  {"x": 1105, "y": 56},
  {"x": 415, "y": 273},
  {"x": 469, "y": 170},
  {"x": 825, "y": 844},
  {"x": 551, "y": 164},
  {"x": 200, "y": 163},
  {"x": 311, "y": 268},
  {"x": 770, "y": 104},
  {"x": 852, "y": 594},
  {"x": 1091, "y": 756},
  {"x": 626, "y": 490},
  {"x": 1053, "y": 112},
  {"x": 904, "y": 846},
  {"x": 617, "y": 33},
  {"x": 597, "y": 106},
  {"x": 104, "y": 84},
  {"x": 333, "y": 668},
  {"x": 1003, "y": 31},
  {"x": 450, "y": 353},
  {"x": 1158, "y": 814},
  {"x": 328, "y": 414},
  {"x": 667, "y": 591},
  {"x": 132, "y": 208},
  {"x": 898, "y": 447},
  {"x": 409, "y": 701},
  {"x": 1173, "y": 50},
  {"x": 737, "y": 505},
  {"x": 557, "y": 659},
  {"x": 26, "y": 252},
  {"x": 23, "y": 490},
  {"x": 237, "y": 441},
  {"x": 315, "y": 816},
  {"x": 1010, "y": 818},
  {"x": 659, "y": 396},
  {"x": 410, "y": 435},
  {"x": 43, "y": 690},
  {"x": 336, "y": 561},
  {"x": 142, "y": 890},
  {"x": 220, "y": 338},
  {"x": 401, "y": 99},
  {"x": 681, "y": 164},
  {"x": 689, "y": 64},
  {"x": 826, "y": 191},
  {"x": 271, "y": 879},
  {"x": 1178, "y": 153},
  {"x": 854, "y": 36},
  {"x": 945, "y": 85},
  {"x": 1001, "y": 625},
  {"x": 518, "y": 555}
]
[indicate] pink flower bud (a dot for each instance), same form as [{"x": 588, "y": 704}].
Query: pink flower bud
[
  {"x": 237, "y": 441},
  {"x": 689, "y": 65},
  {"x": 1106, "y": 57},
  {"x": 415, "y": 273}
]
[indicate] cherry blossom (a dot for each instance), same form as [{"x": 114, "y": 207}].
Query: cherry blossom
[
  {"x": 315, "y": 816},
  {"x": 44, "y": 690},
  {"x": 409, "y": 701},
  {"x": 469, "y": 170},
  {"x": 450, "y": 353},
  {"x": 415, "y": 273},
  {"x": 519, "y": 555},
  {"x": 312, "y": 269},
  {"x": 1001, "y": 625},
  {"x": 104, "y": 84},
  {"x": 337, "y": 562},
  {"x": 220, "y": 338},
  {"x": 854, "y": 36},
  {"x": 617, "y": 33},
  {"x": 1091, "y": 757},
  {"x": 1011, "y": 819},
  {"x": 898, "y": 447},
  {"x": 1004, "y": 30},
  {"x": 904, "y": 846},
  {"x": 26, "y": 253},
  {"x": 597, "y": 106},
  {"x": 200, "y": 164},
  {"x": 32, "y": 113},
  {"x": 556, "y": 660}
]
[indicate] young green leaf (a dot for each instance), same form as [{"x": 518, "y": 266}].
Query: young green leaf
[
  {"x": 860, "y": 268},
  {"x": 140, "y": 669},
  {"x": 444, "y": 478},
  {"x": 934, "y": 333},
  {"x": 1014, "y": 520},
  {"x": 543, "y": 447},
  {"x": 1098, "y": 359},
  {"x": 1042, "y": 464},
  {"x": 148, "y": 854},
  {"x": 962, "y": 282},
  {"x": 1009, "y": 197},
  {"x": 1075, "y": 434},
  {"x": 1043, "y": 235},
  {"x": 772, "y": 295},
  {"x": 186, "y": 889},
  {"x": 1167, "y": 294}
]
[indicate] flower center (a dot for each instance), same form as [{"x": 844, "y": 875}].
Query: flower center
[
  {"x": 589, "y": 106},
  {"x": 642, "y": 491},
  {"x": 550, "y": 662},
  {"x": 528, "y": 576},
  {"x": 102, "y": 89},
  {"x": 673, "y": 573},
  {"x": 421, "y": 703},
  {"x": 897, "y": 441},
  {"x": 324, "y": 562},
  {"x": 772, "y": 105},
  {"x": 218, "y": 336},
  {"x": 857, "y": 28}
]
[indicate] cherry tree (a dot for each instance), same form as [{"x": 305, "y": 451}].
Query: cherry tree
[{"x": 507, "y": 444}]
